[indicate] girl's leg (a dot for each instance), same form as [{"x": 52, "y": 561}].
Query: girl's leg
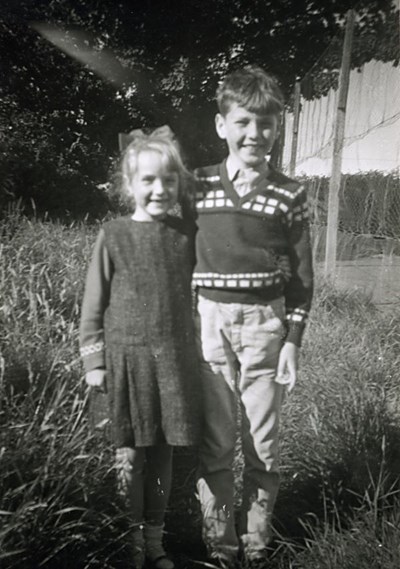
[
  {"x": 157, "y": 490},
  {"x": 157, "y": 484},
  {"x": 130, "y": 463}
]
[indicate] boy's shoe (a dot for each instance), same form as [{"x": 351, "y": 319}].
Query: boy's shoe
[{"x": 259, "y": 561}]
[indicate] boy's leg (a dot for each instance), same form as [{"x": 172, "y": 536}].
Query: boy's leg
[
  {"x": 261, "y": 400},
  {"x": 261, "y": 465},
  {"x": 216, "y": 454}
]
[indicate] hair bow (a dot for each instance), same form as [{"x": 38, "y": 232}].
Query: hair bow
[{"x": 138, "y": 134}]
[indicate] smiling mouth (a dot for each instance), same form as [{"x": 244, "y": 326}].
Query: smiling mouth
[{"x": 253, "y": 147}]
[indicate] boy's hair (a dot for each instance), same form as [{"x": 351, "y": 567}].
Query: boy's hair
[{"x": 251, "y": 88}]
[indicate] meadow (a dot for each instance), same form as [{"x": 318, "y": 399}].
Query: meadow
[{"x": 339, "y": 505}]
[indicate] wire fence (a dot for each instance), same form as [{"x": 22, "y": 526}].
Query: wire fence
[
  {"x": 371, "y": 140},
  {"x": 368, "y": 228},
  {"x": 369, "y": 215}
]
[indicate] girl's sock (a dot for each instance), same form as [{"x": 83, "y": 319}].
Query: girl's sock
[
  {"x": 138, "y": 546},
  {"x": 155, "y": 552}
]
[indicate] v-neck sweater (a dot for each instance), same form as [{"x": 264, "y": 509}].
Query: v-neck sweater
[{"x": 255, "y": 248}]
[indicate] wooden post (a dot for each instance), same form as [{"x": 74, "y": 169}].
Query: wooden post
[
  {"x": 336, "y": 172},
  {"x": 296, "y": 120},
  {"x": 276, "y": 156}
]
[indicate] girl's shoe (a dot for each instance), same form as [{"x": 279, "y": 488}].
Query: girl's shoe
[
  {"x": 218, "y": 562},
  {"x": 161, "y": 562},
  {"x": 155, "y": 553}
]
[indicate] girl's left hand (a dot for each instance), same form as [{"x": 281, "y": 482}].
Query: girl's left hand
[
  {"x": 286, "y": 373},
  {"x": 97, "y": 378}
]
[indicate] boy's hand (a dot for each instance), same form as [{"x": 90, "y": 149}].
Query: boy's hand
[
  {"x": 286, "y": 373},
  {"x": 97, "y": 378}
]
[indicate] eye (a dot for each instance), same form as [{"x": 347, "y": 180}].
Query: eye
[
  {"x": 267, "y": 124},
  {"x": 148, "y": 179},
  {"x": 171, "y": 179}
]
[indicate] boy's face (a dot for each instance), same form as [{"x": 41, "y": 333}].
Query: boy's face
[{"x": 250, "y": 136}]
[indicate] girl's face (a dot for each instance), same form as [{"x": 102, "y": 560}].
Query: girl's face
[{"x": 154, "y": 187}]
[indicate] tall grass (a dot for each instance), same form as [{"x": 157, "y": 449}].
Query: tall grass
[
  {"x": 53, "y": 474},
  {"x": 338, "y": 505},
  {"x": 341, "y": 428}
]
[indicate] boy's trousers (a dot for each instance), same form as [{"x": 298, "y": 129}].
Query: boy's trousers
[{"x": 239, "y": 347}]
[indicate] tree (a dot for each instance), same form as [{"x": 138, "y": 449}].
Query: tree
[
  {"x": 169, "y": 56},
  {"x": 54, "y": 145}
]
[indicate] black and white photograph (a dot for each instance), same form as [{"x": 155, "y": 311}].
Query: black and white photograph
[{"x": 199, "y": 284}]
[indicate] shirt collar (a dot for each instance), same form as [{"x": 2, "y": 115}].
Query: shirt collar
[{"x": 233, "y": 167}]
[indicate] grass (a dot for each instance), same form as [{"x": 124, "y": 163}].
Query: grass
[{"x": 338, "y": 506}]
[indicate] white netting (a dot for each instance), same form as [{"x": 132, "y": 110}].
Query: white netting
[
  {"x": 372, "y": 129},
  {"x": 368, "y": 232}
]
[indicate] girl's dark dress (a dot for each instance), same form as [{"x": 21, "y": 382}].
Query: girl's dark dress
[{"x": 151, "y": 360}]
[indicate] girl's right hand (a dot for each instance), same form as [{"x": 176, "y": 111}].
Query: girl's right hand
[{"x": 96, "y": 378}]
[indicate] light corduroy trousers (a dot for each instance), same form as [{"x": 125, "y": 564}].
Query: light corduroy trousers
[{"x": 239, "y": 347}]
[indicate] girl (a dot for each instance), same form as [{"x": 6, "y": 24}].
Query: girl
[{"x": 136, "y": 333}]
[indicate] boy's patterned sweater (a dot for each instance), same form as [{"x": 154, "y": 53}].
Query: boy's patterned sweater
[{"x": 254, "y": 248}]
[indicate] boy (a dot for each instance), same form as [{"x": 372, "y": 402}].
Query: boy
[{"x": 254, "y": 281}]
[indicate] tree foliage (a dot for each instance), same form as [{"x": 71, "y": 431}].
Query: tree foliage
[{"x": 60, "y": 120}]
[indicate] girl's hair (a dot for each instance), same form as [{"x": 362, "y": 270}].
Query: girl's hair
[
  {"x": 251, "y": 88},
  {"x": 168, "y": 148}
]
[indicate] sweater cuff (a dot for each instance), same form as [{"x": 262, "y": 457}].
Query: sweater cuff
[
  {"x": 295, "y": 333},
  {"x": 93, "y": 356}
]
